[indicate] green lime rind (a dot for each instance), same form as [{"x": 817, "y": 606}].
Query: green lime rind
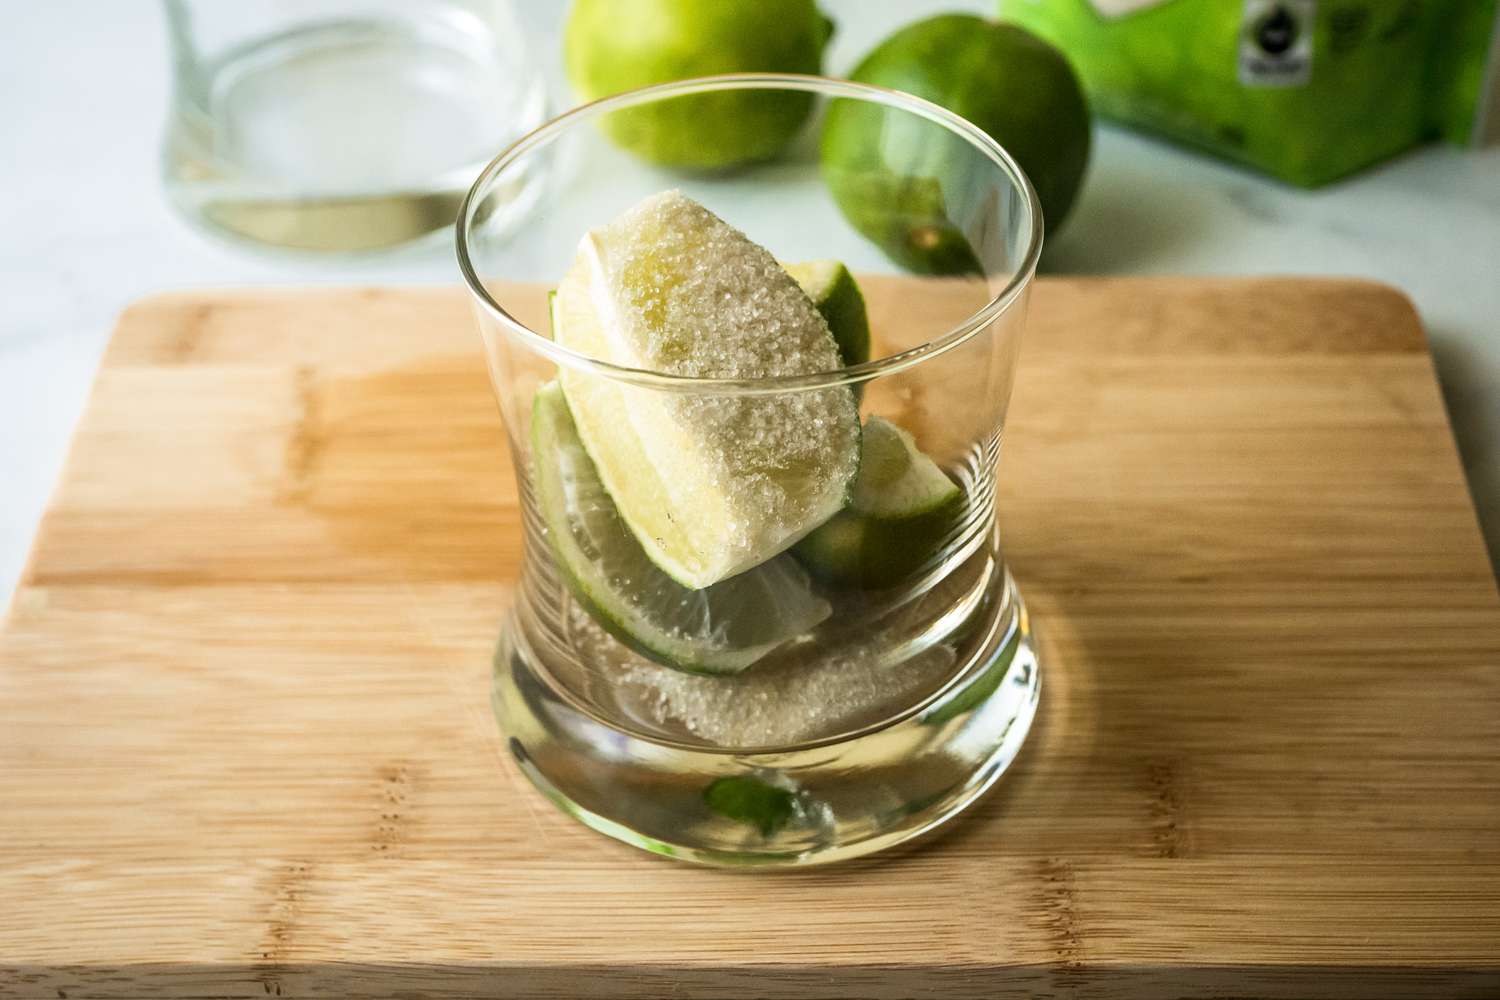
[
  {"x": 902, "y": 509},
  {"x": 712, "y": 485},
  {"x": 855, "y": 551},
  {"x": 721, "y": 629},
  {"x": 749, "y": 800},
  {"x": 611, "y": 46},
  {"x": 913, "y": 187},
  {"x": 838, "y": 298},
  {"x": 904, "y": 215}
]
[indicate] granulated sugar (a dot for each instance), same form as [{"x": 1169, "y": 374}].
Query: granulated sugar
[
  {"x": 691, "y": 295},
  {"x": 695, "y": 296},
  {"x": 809, "y": 694},
  {"x": 677, "y": 290}
]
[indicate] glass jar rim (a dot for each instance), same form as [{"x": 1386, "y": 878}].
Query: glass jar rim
[{"x": 666, "y": 381}]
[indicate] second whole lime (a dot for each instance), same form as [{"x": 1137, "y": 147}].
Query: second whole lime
[
  {"x": 909, "y": 184},
  {"x": 611, "y": 46}
]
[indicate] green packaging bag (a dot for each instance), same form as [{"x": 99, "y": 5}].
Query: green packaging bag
[{"x": 1307, "y": 90}]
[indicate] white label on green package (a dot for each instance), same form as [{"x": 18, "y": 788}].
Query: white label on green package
[
  {"x": 1119, "y": 8},
  {"x": 1276, "y": 42}
]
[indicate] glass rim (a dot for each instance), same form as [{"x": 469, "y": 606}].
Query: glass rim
[{"x": 548, "y": 131}]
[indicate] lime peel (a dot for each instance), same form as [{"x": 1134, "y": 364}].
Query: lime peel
[
  {"x": 721, "y": 629},
  {"x": 902, "y": 508}
]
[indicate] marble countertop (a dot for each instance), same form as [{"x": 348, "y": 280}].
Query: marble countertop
[{"x": 84, "y": 230}]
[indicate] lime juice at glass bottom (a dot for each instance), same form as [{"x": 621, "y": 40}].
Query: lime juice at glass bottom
[{"x": 763, "y": 616}]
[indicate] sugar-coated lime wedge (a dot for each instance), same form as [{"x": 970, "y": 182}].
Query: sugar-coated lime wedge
[{"x": 711, "y": 483}]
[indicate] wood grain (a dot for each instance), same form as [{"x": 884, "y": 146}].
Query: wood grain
[{"x": 245, "y": 748}]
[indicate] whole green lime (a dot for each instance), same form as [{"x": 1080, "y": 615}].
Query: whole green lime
[
  {"x": 915, "y": 188},
  {"x": 612, "y": 46}
]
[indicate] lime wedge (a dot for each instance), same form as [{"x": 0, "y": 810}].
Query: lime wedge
[
  {"x": 749, "y": 800},
  {"x": 721, "y": 629},
  {"x": 902, "y": 510},
  {"x": 711, "y": 484},
  {"x": 836, "y": 294}
]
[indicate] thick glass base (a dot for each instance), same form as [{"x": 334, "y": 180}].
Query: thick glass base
[{"x": 821, "y": 801}]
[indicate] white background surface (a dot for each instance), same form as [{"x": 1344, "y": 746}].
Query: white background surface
[{"x": 84, "y": 230}]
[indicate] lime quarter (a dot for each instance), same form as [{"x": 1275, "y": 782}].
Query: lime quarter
[{"x": 720, "y": 629}]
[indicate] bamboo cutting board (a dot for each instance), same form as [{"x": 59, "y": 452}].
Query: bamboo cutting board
[{"x": 245, "y": 748}]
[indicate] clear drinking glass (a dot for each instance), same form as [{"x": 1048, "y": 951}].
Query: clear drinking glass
[
  {"x": 903, "y": 700},
  {"x": 340, "y": 125}
]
